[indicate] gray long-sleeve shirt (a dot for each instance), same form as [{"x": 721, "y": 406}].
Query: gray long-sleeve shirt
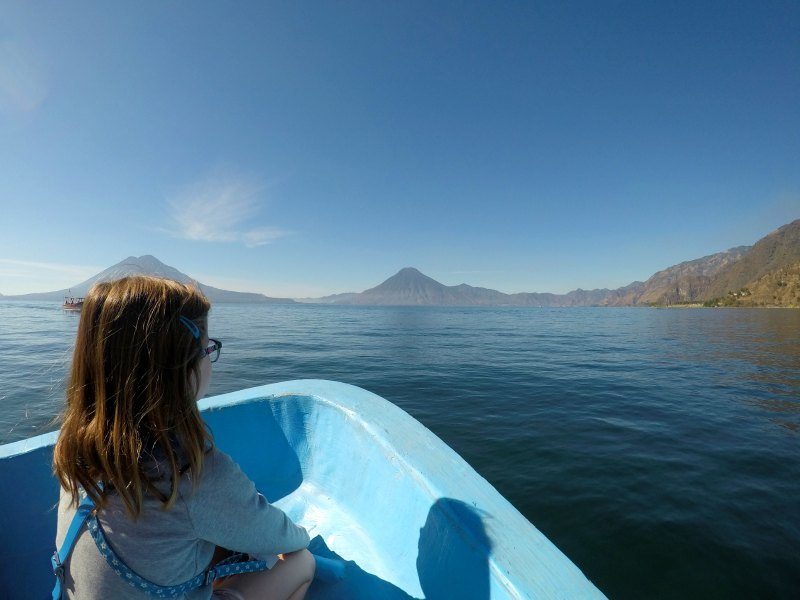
[{"x": 170, "y": 547}]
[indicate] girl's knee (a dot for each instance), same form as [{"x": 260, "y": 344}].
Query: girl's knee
[
  {"x": 309, "y": 563},
  {"x": 301, "y": 564}
]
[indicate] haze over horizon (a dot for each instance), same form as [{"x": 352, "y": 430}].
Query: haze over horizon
[{"x": 300, "y": 153}]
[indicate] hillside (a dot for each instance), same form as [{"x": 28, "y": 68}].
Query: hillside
[
  {"x": 688, "y": 281},
  {"x": 778, "y": 250},
  {"x": 624, "y": 296},
  {"x": 779, "y": 287}
]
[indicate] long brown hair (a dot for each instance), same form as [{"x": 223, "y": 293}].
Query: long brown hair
[{"x": 131, "y": 391}]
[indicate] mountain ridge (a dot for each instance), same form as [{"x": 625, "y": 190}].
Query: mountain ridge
[
  {"x": 150, "y": 265},
  {"x": 764, "y": 274},
  {"x": 693, "y": 281}
]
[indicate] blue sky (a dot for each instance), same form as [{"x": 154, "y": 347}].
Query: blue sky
[{"x": 301, "y": 149}]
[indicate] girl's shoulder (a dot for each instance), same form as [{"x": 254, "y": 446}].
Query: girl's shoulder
[
  {"x": 216, "y": 463},
  {"x": 216, "y": 469},
  {"x": 219, "y": 470}
]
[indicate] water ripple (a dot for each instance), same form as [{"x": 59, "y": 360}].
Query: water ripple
[{"x": 658, "y": 449}]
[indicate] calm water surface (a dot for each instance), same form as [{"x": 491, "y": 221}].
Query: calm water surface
[{"x": 658, "y": 449}]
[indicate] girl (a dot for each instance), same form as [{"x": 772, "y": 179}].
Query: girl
[{"x": 133, "y": 441}]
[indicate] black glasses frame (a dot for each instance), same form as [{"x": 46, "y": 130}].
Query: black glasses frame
[{"x": 213, "y": 350}]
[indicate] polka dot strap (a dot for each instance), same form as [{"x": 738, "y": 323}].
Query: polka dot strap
[{"x": 230, "y": 566}]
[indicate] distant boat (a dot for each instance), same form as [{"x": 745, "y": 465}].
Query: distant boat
[
  {"x": 374, "y": 487},
  {"x": 72, "y": 303}
]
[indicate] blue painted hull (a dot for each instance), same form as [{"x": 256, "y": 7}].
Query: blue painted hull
[{"x": 371, "y": 484}]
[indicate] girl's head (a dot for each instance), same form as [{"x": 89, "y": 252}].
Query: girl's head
[{"x": 138, "y": 368}]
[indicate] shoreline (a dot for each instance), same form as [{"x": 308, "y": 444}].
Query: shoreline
[{"x": 700, "y": 305}]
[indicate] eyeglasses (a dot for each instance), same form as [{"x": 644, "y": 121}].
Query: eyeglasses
[{"x": 212, "y": 350}]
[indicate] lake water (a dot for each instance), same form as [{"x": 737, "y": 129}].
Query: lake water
[{"x": 658, "y": 449}]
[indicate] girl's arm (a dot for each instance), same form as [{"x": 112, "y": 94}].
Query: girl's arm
[{"x": 227, "y": 510}]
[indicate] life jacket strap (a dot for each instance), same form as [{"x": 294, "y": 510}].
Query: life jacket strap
[{"x": 61, "y": 555}]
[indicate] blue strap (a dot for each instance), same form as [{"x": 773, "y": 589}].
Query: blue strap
[
  {"x": 191, "y": 326},
  {"x": 60, "y": 556}
]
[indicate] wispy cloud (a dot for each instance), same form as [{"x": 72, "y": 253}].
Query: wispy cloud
[
  {"x": 467, "y": 272},
  {"x": 22, "y": 81},
  {"x": 24, "y": 276},
  {"x": 222, "y": 208},
  {"x": 28, "y": 267}
]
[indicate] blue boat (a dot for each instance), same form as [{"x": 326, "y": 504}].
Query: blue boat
[{"x": 408, "y": 517}]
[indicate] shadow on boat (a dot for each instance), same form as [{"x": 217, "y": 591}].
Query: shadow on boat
[
  {"x": 453, "y": 548},
  {"x": 453, "y": 561}
]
